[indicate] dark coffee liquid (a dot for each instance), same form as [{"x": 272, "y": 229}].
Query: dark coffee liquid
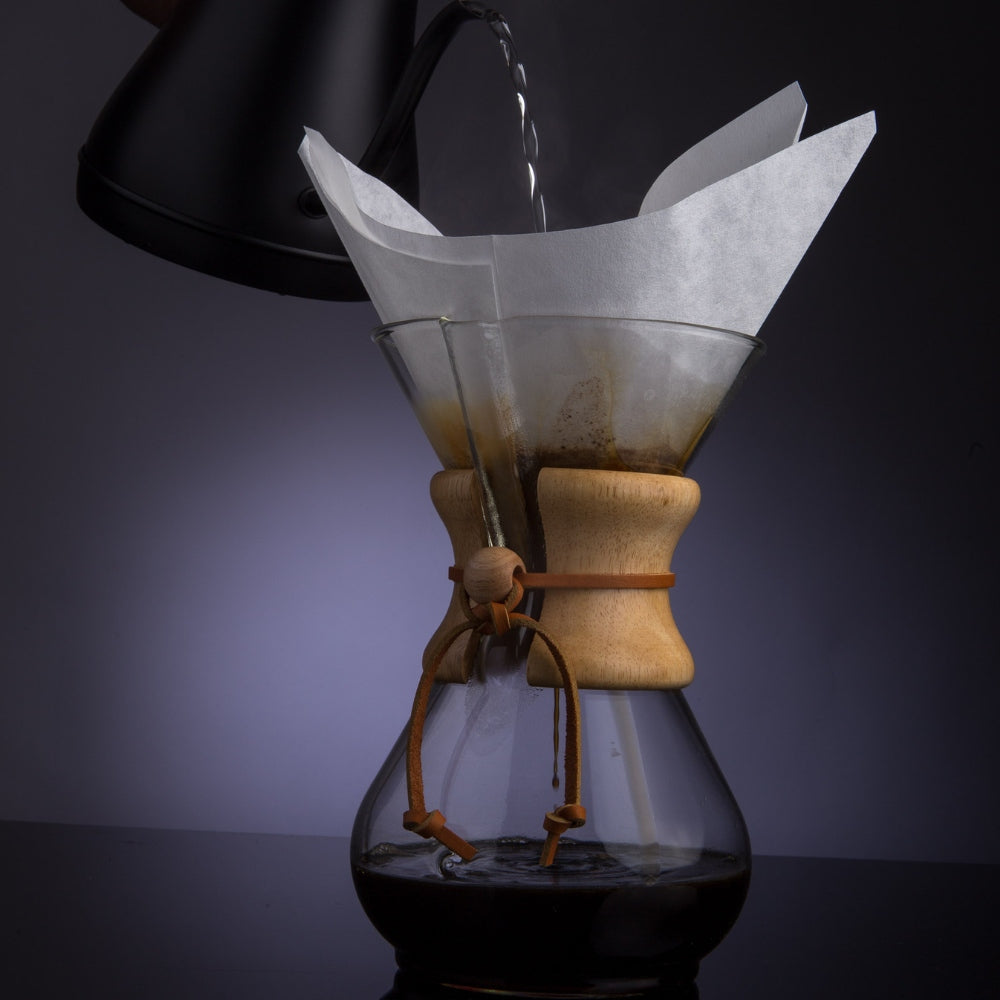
[{"x": 594, "y": 923}]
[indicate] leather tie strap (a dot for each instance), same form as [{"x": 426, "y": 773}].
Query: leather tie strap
[
  {"x": 584, "y": 581},
  {"x": 486, "y": 617}
]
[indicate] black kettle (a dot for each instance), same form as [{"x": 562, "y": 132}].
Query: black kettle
[{"x": 194, "y": 156}]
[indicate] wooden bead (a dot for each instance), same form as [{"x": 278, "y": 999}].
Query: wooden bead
[{"x": 488, "y": 574}]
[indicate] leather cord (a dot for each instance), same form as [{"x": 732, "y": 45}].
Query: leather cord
[
  {"x": 585, "y": 581},
  {"x": 493, "y": 618}
]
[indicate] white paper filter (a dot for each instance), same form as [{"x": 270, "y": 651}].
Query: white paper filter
[{"x": 716, "y": 239}]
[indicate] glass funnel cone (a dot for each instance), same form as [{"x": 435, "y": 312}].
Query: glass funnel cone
[
  {"x": 578, "y": 432},
  {"x": 416, "y": 353}
]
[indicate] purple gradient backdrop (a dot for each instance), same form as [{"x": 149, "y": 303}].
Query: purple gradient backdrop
[{"x": 219, "y": 553}]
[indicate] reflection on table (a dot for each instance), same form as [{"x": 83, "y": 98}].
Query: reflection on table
[{"x": 164, "y": 915}]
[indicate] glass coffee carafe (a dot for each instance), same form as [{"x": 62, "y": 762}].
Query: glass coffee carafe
[{"x": 552, "y": 820}]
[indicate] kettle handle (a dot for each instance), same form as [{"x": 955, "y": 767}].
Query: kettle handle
[{"x": 428, "y": 50}]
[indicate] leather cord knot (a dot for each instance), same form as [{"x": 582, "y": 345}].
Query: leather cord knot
[
  {"x": 566, "y": 817},
  {"x": 494, "y": 618},
  {"x": 432, "y": 824}
]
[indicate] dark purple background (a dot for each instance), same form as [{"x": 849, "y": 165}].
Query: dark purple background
[{"x": 219, "y": 557}]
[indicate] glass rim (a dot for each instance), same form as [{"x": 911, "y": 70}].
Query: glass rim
[{"x": 385, "y": 329}]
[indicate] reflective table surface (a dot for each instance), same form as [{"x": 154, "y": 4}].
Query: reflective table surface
[{"x": 173, "y": 915}]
